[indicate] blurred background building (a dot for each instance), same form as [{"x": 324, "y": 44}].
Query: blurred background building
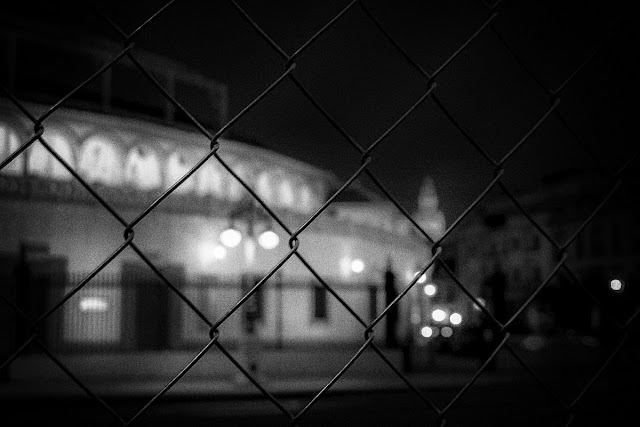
[
  {"x": 602, "y": 257},
  {"x": 209, "y": 238}
]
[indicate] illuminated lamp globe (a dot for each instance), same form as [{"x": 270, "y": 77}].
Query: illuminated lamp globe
[
  {"x": 357, "y": 266},
  {"x": 230, "y": 237},
  {"x": 422, "y": 278},
  {"x": 268, "y": 239},
  {"x": 616, "y": 285},
  {"x": 481, "y": 301},
  {"x": 219, "y": 252},
  {"x": 426, "y": 331},
  {"x": 430, "y": 289},
  {"x": 455, "y": 318},
  {"x": 438, "y": 315}
]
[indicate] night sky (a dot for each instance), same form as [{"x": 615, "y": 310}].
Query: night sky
[{"x": 365, "y": 84}]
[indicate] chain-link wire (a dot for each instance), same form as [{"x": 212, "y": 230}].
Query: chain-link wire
[{"x": 367, "y": 151}]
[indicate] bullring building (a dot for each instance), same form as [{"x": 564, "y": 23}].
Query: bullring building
[{"x": 208, "y": 237}]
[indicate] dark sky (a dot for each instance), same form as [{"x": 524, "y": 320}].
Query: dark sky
[{"x": 365, "y": 84}]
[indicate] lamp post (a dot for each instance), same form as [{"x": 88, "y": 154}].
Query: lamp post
[{"x": 249, "y": 217}]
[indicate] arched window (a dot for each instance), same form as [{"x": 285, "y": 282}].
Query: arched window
[
  {"x": 177, "y": 167},
  {"x": 101, "y": 161},
  {"x": 264, "y": 187},
  {"x": 8, "y": 144},
  {"x": 306, "y": 203},
  {"x": 286, "y": 196},
  {"x": 142, "y": 168},
  {"x": 41, "y": 161},
  {"x": 236, "y": 189},
  {"x": 210, "y": 179}
]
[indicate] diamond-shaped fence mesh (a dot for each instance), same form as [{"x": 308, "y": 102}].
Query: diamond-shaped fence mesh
[{"x": 452, "y": 111}]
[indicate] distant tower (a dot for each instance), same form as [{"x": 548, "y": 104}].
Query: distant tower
[{"x": 428, "y": 216}]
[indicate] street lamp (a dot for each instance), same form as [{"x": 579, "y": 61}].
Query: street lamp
[{"x": 247, "y": 216}]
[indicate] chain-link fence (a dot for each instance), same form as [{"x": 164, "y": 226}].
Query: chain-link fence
[{"x": 367, "y": 151}]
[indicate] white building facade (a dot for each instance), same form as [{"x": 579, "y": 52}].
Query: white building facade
[{"x": 129, "y": 163}]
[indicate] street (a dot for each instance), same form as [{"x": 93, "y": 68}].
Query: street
[{"x": 612, "y": 401}]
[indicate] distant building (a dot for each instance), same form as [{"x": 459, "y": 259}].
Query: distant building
[
  {"x": 130, "y": 150},
  {"x": 606, "y": 249}
]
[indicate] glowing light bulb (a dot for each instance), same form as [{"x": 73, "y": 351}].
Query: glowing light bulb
[
  {"x": 268, "y": 239},
  {"x": 438, "y": 315},
  {"x": 616, "y": 285},
  {"x": 430, "y": 289},
  {"x": 455, "y": 318},
  {"x": 357, "y": 266},
  {"x": 230, "y": 237},
  {"x": 426, "y": 331}
]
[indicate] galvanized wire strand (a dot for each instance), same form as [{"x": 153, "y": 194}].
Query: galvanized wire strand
[
  {"x": 475, "y": 376},
  {"x": 467, "y": 136},
  {"x": 326, "y": 286},
  {"x": 250, "y": 377},
  {"x": 166, "y": 388},
  {"x": 401, "y": 208},
  {"x": 91, "y": 78},
  {"x": 464, "y": 289},
  {"x": 473, "y": 204},
  {"x": 407, "y": 288},
  {"x": 324, "y": 206},
  {"x": 129, "y": 37},
  {"x": 16, "y": 102},
  {"x": 18, "y": 352},
  {"x": 327, "y": 116},
  {"x": 365, "y": 153},
  {"x": 294, "y": 241},
  {"x": 320, "y": 32},
  {"x": 22, "y": 148},
  {"x": 168, "y": 97},
  {"x": 631, "y": 319},
  {"x": 593, "y": 213},
  {"x": 552, "y": 95},
  {"x": 536, "y": 292},
  {"x": 519, "y": 60},
  {"x": 576, "y": 281},
  {"x": 529, "y": 217},
  {"x": 86, "y": 280},
  {"x": 150, "y": 20},
  {"x": 170, "y": 285},
  {"x": 393, "y": 42},
  {"x": 39, "y": 136},
  {"x": 404, "y": 378},
  {"x": 529, "y": 132},
  {"x": 83, "y": 182},
  {"x": 334, "y": 379},
  {"x": 259, "y": 30},
  {"x": 214, "y": 152},
  {"x": 17, "y": 309},
  {"x": 536, "y": 377},
  {"x": 257, "y": 286},
  {"x": 80, "y": 384},
  {"x": 599, "y": 372},
  {"x": 556, "y": 92},
  {"x": 400, "y": 120},
  {"x": 430, "y": 77},
  {"x": 462, "y": 47}
]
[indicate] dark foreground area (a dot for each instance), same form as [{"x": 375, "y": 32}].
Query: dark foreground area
[{"x": 611, "y": 401}]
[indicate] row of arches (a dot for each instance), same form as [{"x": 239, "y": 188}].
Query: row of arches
[{"x": 102, "y": 158}]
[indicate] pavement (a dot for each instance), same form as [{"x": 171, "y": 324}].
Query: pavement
[
  {"x": 439, "y": 376},
  {"x": 284, "y": 374}
]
